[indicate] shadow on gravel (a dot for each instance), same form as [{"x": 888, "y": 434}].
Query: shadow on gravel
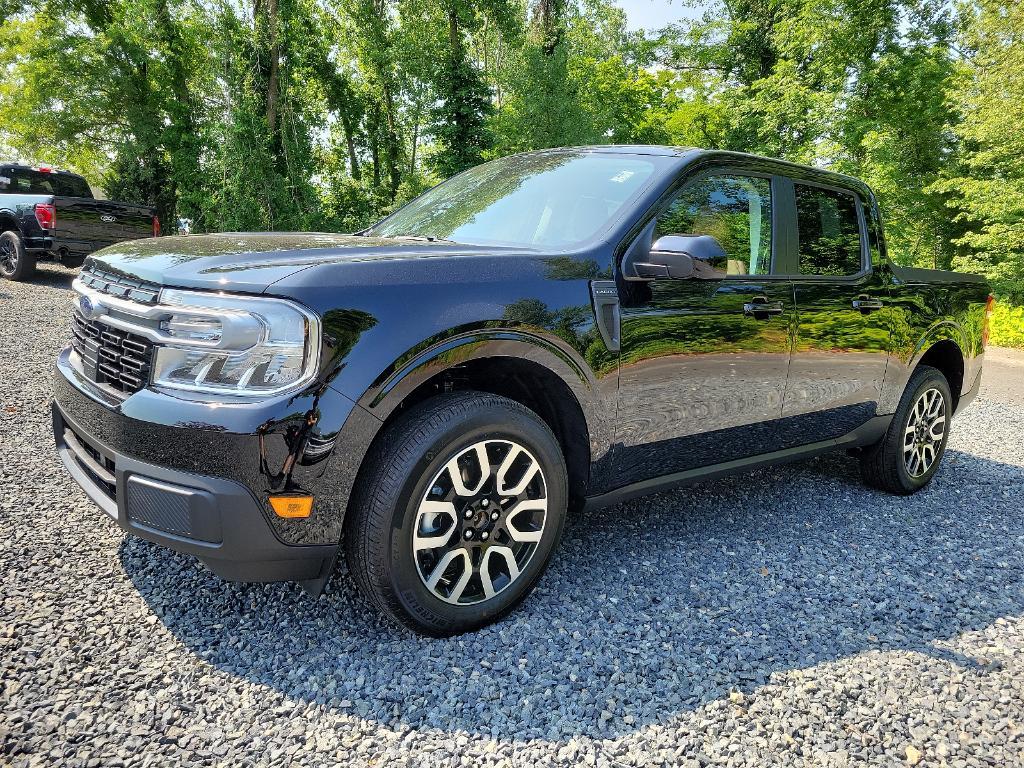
[
  {"x": 54, "y": 276},
  {"x": 651, "y": 608}
]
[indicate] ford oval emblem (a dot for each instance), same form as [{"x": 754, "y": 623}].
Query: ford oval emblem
[{"x": 85, "y": 304}]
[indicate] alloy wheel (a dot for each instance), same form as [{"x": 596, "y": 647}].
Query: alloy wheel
[
  {"x": 925, "y": 430},
  {"x": 479, "y": 523},
  {"x": 8, "y": 257}
]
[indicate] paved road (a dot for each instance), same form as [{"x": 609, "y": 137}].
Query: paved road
[
  {"x": 1003, "y": 376},
  {"x": 787, "y": 616}
]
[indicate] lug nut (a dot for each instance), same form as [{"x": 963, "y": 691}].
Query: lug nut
[
  {"x": 468, "y": 534},
  {"x": 484, "y": 535},
  {"x": 467, "y": 514},
  {"x": 485, "y": 502},
  {"x": 494, "y": 515}
]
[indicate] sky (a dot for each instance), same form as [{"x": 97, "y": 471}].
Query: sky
[{"x": 655, "y": 14}]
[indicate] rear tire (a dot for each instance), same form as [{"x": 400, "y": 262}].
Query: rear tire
[
  {"x": 907, "y": 458},
  {"x": 456, "y": 513},
  {"x": 15, "y": 263}
]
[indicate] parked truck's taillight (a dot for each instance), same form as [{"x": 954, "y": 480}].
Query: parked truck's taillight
[
  {"x": 46, "y": 215},
  {"x": 156, "y": 227},
  {"x": 989, "y": 307}
]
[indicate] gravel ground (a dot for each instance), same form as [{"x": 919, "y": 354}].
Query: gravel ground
[{"x": 786, "y": 616}]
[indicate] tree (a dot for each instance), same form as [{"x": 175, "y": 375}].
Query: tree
[{"x": 987, "y": 187}]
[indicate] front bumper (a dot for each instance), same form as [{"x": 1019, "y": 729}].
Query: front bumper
[
  {"x": 195, "y": 478},
  {"x": 216, "y": 520}
]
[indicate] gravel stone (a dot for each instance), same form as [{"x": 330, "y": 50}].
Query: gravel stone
[{"x": 787, "y": 616}]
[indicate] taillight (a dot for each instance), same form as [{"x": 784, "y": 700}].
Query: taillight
[
  {"x": 46, "y": 215},
  {"x": 989, "y": 307},
  {"x": 156, "y": 227}
]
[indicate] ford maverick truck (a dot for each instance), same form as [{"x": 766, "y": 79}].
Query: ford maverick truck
[
  {"x": 51, "y": 214},
  {"x": 431, "y": 397}
]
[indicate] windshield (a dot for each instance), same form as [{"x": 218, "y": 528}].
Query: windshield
[{"x": 548, "y": 200}]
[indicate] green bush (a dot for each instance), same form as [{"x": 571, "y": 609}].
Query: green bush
[{"x": 1006, "y": 326}]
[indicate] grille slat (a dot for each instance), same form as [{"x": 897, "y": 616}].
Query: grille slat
[
  {"x": 112, "y": 357},
  {"x": 119, "y": 285}
]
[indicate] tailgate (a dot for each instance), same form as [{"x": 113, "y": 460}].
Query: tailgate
[{"x": 85, "y": 225}]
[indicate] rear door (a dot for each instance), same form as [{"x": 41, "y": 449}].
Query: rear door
[
  {"x": 842, "y": 337},
  {"x": 704, "y": 361}
]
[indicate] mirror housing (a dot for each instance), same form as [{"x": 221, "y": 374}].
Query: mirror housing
[{"x": 678, "y": 257}]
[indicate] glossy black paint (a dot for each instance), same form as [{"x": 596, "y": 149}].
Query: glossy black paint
[
  {"x": 83, "y": 224},
  {"x": 699, "y": 386}
]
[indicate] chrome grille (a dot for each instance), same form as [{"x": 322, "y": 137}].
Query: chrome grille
[
  {"x": 121, "y": 286},
  {"x": 110, "y": 356}
]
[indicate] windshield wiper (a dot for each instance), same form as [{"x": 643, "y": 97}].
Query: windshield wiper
[{"x": 427, "y": 238}]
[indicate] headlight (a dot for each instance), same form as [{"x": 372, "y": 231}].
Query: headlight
[{"x": 235, "y": 345}]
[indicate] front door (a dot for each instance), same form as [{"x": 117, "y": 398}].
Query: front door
[
  {"x": 842, "y": 335},
  {"x": 704, "y": 361}
]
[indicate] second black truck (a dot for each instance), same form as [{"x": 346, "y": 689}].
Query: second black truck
[{"x": 51, "y": 214}]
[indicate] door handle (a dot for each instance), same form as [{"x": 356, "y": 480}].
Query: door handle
[
  {"x": 760, "y": 307},
  {"x": 866, "y": 304}
]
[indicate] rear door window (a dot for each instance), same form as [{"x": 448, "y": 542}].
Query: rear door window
[{"x": 829, "y": 231}]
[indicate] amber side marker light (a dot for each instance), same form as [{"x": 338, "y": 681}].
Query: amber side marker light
[{"x": 292, "y": 506}]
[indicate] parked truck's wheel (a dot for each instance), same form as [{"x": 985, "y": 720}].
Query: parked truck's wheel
[
  {"x": 15, "y": 263},
  {"x": 456, "y": 513},
  {"x": 907, "y": 458}
]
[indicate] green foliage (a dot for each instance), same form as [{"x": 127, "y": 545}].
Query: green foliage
[
  {"x": 328, "y": 114},
  {"x": 987, "y": 186},
  {"x": 1006, "y": 326}
]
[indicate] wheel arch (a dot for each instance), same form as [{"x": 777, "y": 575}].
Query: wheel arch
[
  {"x": 534, "y": 371},
  {"x": 942, "y": 347},
  {"x": 8, "y": 223},
  {"x": 947, "y": 357}
]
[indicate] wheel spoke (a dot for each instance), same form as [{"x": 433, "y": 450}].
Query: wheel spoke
[
  {"x": 940, "y": 425},
  {"x": 529, "y": 505},
  {"x": 455, "y": 472},
  {"x": 500, "y": 476},
  {"x": 524, "y": 481},
  {"x": 927, "y": 456},
  {"x": 460, "y": 585},
  {"x": 442, "y": 566},
  {"x": 918, "y": 409},
  {"x": 485, "y": 568},
  {"x": 428, "y": 514},
  {"x": 914, "y": 462}
]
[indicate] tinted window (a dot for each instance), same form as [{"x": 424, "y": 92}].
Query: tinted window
[
  {"x": 556, "y": 199},
  {"x": 31, "y": 182},
  {"x": 829, "y": 231},
  {"x": 735, "y": 210}
]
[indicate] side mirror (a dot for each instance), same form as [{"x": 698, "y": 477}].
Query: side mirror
[{"x": 677, "y": 257}]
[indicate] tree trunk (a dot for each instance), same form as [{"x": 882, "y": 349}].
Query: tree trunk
[
  {"x": 415, "y": 139},
  {"x": 353, "y": 161},
  {"x": 275, "y": 62}
]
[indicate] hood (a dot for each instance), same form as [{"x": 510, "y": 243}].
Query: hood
[{"x": 252, "y": 262}]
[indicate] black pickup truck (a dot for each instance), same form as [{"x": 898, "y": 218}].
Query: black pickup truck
[
  {"x": 46, "y": 213},
  {"x": 432, "y": 396}
]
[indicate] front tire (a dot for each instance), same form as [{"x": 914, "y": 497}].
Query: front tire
[
  {"x": 907, "y": 458},
  {"x": 15, "y": 263},
  {"x": 456, "y": 513}
]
